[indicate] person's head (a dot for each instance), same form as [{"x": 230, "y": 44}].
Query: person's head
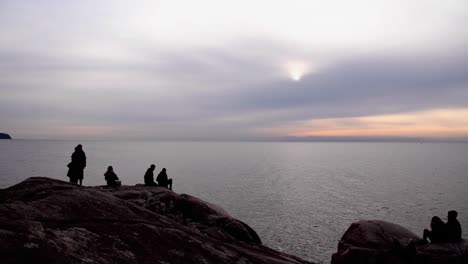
[
  {"x": 164, "y": 169},
  {"x": 153, "y": 166},
  {"x": 435, "y": 221},
  {"x": 80, "y": 147},
  {"x": 110, "y": 168},
  {"x": 452, "y": 215}
]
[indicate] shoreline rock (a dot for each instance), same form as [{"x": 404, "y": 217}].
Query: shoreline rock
[
  {"x": 44, "y": 220},
  {"x": 376, "y": 241}
]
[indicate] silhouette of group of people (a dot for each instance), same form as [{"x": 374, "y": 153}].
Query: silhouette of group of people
[
  {"x": 78, "y": 163},
  {"x": 162, "y": 179},
  {"x": 440, "y": 231},
  {"x": 443, "y": 232}
]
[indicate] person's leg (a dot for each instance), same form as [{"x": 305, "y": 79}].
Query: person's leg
[
  {"x": 72, "y": 180},
  {"x": 169, "y": 183},
  {"x": 79, "y": 175}
]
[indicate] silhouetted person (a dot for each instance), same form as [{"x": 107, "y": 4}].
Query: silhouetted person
[
  {"x": 453, "y": 227},
  {"x": 71, "y": 173},
  {"x": 163, "y": 180},
  {"x": 111, "y": 178},
  {"x": 438, "y": 231},
  {"x": 77, "y": 165},
  {"x": 149, "y": 176}
]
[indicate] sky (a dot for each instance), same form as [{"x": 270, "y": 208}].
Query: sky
[{"x": 234, "y": 70}]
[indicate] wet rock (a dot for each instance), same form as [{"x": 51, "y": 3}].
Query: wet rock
[
  {"x": 383, "y": 242},
  {"x": 50, "y": 221}
]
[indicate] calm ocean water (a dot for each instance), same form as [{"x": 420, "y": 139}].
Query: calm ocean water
[{"x": 299, "y": 197}]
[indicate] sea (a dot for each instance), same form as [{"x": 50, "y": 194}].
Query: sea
[{"x": 300, "y": 197}]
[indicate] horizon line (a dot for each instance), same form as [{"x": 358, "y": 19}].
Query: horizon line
[{"x": 279, "y": 139}]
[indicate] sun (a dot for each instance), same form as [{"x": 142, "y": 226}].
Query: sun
[
  {"x": 296, "y": 74},
  {"x": 296, "y": 70}
]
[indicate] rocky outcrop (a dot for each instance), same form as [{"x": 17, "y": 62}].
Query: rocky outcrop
[
  {"x": 4, "y": 136},
  {"x": 383, "y": 242},
  {"x": 50, "y": 221}
]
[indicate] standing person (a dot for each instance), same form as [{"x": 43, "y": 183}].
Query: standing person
[
  {"x": 149, "y": 176},
  {"x": 453, "y": 227},
  {"x": 77, "y": 165},
  {"x": 163, "y": 180},
  {"x": 111, "y": 178}
]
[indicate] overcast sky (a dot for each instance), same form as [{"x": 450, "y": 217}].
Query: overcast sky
[{"x": 230, "y": 70}]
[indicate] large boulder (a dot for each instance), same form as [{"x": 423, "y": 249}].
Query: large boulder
[
  {"x": 50, "y": 221},
  {"x": 377, "y": 241}
]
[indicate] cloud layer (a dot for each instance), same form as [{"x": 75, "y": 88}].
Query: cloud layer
[{"x": 162, "y": 70}]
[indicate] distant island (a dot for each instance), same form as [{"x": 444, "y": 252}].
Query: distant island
[{"x": 4, "y": 136}]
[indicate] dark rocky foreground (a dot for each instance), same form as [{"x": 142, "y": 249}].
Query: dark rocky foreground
[
  {"x": 50, "y": 221},
  {"x": 382, "y": 242},
  {"x": 4, "y": 136}
]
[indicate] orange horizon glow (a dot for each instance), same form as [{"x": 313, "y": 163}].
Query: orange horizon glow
[{"x": 437, "y": 123}]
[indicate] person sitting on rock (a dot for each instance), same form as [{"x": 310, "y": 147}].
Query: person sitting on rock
[
  {"x": 149, "y": 176},
  {"x": 111, "y": 178},
  {"x": 438, "y": 231},
  {"x": 163, "y": 180},
  {"x": 453, "y": 227}
]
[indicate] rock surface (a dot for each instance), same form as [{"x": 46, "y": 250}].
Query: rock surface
[
  {"x": 4, "y": 136},
  {"x": 383, "y": 242},
  {"x": 50, "y": 221}
]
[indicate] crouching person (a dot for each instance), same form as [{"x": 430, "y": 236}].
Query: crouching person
[
  {"x": 111, "y": 178},
  {"x": 163, "y": 181}
]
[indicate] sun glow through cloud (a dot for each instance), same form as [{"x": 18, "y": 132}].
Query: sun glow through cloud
[{"x": 297, "y": 70}]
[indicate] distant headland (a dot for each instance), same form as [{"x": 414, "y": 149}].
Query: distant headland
[{"x": 4, "y": 136}]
